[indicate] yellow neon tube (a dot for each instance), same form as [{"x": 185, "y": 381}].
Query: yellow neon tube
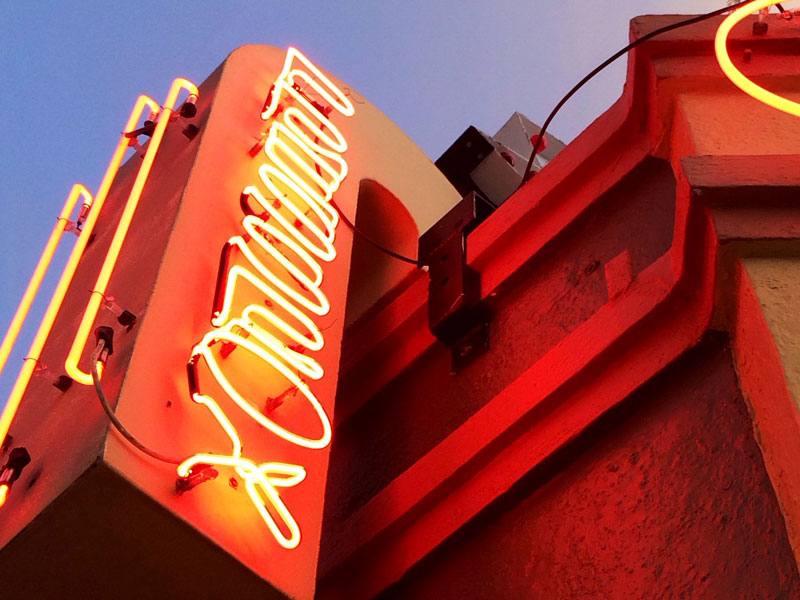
[
  {"x": 734, "y": 74},
  {"x": 267, "y": 476},
  {"x": 100, "y": 286},
  {"x": 25, "y": 374},
  {"x": 45, "y": 259},
  {"x": 235, "y": 274},
  {"x": 268, "y": 174},
  {"x": 3, "y": 494},
  {"x": 261, "y": 232},
  {"x": 294, "y": 117},
  {"x": 333, "y": 95},
  {"x": 273, "y": 359},
  {"x": 268, "y": 237},
  {"x": 274, "y": 143}
]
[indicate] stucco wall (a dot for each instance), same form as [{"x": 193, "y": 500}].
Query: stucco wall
[{"x": 666, "y": 498}]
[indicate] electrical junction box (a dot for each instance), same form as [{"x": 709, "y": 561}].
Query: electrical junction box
[{"x": 493, "y": 166}]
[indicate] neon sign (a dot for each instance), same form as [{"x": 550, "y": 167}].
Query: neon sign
[
  {"x": 144, "y": 106},
  {"x": 101, "y": 285},
  {"x": 734, "y": 74},
  {"x": 280, "y": 253},
  {"x": 287, "y": 236},
  {"x": 46, "y": 258}
]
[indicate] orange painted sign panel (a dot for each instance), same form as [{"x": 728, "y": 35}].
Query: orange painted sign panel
[
  {"x": 264, "y": 363},
  {"x": 246, "y": 319}
]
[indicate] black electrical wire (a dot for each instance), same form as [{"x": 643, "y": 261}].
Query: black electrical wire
[
  {"x": 607, "y": 62},
  {"x": 356, "y": 230},
  {"x": 113, "y": 417},
  {"x": 369, "y": 240}
]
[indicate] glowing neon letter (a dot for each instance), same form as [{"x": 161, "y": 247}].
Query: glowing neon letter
[{"x": 297, "y": 228}]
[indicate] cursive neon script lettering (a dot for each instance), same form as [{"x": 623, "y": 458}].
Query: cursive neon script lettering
[{"x": 288, "y": 233}]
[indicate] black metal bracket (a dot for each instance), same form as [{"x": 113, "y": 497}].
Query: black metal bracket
[{"x": 456, "y": 314}]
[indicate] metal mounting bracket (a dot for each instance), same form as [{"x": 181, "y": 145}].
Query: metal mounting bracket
[{"x": 456, "y": 314}]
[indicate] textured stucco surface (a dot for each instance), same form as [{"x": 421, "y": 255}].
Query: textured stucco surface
[
  {"x": 559, "y": 291},
  {"x": 776, "y": 282},
  {"x": 709, "y": 114},
  {"x": 666, "y": 498}
]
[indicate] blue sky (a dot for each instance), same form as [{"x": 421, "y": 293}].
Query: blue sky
[{"x": 70, "y": 72}]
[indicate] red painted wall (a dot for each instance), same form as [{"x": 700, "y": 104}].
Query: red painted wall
[
  {"x": 665, "y": 498},
  {"x": 556, "y": 293}
]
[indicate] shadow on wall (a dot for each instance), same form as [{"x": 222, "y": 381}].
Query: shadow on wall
[{"x": 375, "y": 276}]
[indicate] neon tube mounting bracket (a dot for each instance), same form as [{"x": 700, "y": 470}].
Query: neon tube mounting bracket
[{"x": 457, "y": 316}]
